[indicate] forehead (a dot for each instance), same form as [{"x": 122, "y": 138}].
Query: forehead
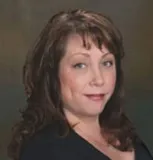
[{"x": 75, "y": 44}]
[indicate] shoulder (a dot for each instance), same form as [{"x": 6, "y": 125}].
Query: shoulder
[{"x": 40, "y": 146}]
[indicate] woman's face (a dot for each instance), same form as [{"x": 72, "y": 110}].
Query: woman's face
[{"x": 87, "y": 78}]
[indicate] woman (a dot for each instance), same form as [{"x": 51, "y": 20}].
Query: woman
[{"x": 73, "y": 81}]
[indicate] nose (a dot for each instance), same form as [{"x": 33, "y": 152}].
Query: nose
[{"x": 97, "y": 78}]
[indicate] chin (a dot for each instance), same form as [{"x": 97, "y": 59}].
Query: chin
[{"x": 96, "y": 112}]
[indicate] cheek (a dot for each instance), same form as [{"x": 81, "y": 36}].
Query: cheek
[
  {"x": 70, "y": 84},
  {"x": 111, "y": 80}
]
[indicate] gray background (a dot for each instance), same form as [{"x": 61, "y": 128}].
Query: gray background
[{"x": 22, "y": 20}]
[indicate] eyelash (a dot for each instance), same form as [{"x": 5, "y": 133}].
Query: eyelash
[
  {"x": 78, "y": 65},
  {"x": 110, "y": 62}
]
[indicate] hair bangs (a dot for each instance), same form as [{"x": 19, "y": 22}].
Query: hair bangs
[{"x": 98, "y": 36}]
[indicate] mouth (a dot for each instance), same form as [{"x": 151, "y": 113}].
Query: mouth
[{"x": 95, "y": 97}]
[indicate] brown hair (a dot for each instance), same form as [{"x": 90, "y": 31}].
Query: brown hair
[{"x": 42, "y": 87}]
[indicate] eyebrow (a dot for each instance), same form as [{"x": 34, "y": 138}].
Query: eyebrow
[{"x": 88, "y": 55}]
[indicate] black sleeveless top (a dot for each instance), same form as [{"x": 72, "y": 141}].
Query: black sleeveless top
[{"x": 47, "y": 146}]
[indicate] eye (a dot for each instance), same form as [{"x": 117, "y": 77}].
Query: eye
[
  {"x": 108, "y": 63},
  {"x": 79, "y": 65}
]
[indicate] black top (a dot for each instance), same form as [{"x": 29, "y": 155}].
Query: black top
[{"x": 46, "y": 145}]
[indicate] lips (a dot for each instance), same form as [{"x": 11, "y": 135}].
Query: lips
[{"x": 95, "y": 97}]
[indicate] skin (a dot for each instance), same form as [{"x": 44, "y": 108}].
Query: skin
[{"x": 86, "y": 71}]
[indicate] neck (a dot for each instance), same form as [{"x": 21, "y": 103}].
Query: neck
[
  {"x": 91, "y": 131},
  {"x": 86, "y": 124},
  {"x": 89, "y": 125}
]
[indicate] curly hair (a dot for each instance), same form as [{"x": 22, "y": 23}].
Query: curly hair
[{"x": 42, "y": 86}]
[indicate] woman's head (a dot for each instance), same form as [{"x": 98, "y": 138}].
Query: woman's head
[
  {"x": 46, "y": 71},
  {"x": 75, "y": 66}
]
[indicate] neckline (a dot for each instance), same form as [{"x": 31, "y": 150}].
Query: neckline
[
  {"x": 94, "y": 149},
  {"x": 89, "y": 145}
]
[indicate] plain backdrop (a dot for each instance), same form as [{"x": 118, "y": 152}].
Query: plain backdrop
[{"x": 22, "y": 20}]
